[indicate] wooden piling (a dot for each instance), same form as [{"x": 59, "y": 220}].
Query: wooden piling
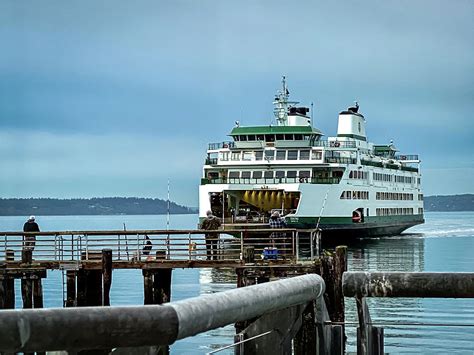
[
  {"x": 106, "y": 275},
  {"x": 340, "y": 266},
  {"x": 162, "y": 286},
  {"x": 9, "y": 287},
  {"x": 81, "y": 288},
  {"x": 147, "y": 287},
  {"x": 27, "y": 292},
  {"x": 94, "y": 288},
  {"x": 70, "y": 288},
  {"x": 37, "y": 293}
]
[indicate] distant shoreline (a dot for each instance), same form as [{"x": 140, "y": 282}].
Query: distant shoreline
[
  {"x": 104, "y": 206},
  {"x": 116, "y": 206}
]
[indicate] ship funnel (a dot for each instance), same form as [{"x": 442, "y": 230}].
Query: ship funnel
[{"x": 351, "y": 124}]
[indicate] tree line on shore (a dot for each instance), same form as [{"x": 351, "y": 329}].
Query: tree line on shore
[{"x": 89, "y": 206}]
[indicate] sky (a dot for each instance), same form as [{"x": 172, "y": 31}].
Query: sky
[{"x": 113, "y": 98}]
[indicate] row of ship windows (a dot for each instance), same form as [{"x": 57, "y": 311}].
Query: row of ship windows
[
  {"x": 364, "y": 195},
  {"x": 357, "y": 174},
  {"x": 354, "y": 195},
  {"x": 279, "y": 154},
  {"x": 391, "y": 178},
  {"x": 269, "y": 174},
  {"x": 272, "y": 137},
  {"x": 396, "y": 211},
  {"x": 393, "y": 196}
]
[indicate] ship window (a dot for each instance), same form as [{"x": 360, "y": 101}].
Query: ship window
[
  {"x": 281, "y": 155},
  {"x": 269, "y": 137},
  {"x": 260, "y": 137},
  {"x": 224, "y": 156},
  {"x": 269, "y": 154},
  {"x": 257, "y": 174},
  {"x": 234, "y": 174},
  {"x": 304, "y": 154},
  {"x": 291, "y": 174},
  {"x": 316, "y": 155},
  {"x": 288, "y": 137},
  {"x": 350, "y": 174},
  {"x": 245, "y": 175},
  {"x": 235, "y": 156},
  {"x": 247, "y": 156},
  {"x": 279, "y": 174},
  {"x": 268, "y": 174},
  {"x": 243, "y": 138},
  {"x": 251, "y": 137},
  {"x": 258, "y": 155},
  {"x": 298, "y": 137},
  {"x": 280, "y": 137},
  {"x": 306, "y": 137},
  {"x": 305, "y": 174},
  {"x": 292, "y": 155}
]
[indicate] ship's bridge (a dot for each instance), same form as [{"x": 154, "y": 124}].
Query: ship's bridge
[{"x": 274, "y": 136}]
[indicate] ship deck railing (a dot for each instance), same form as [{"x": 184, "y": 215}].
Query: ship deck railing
[
  {"x": 159, "y": 245},
  {"x": 287, "y": 180}
]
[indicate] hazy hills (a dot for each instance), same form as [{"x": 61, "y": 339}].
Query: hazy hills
[
  {"x": 449, "y": 203},
  {"x": 92, "y": 206}
]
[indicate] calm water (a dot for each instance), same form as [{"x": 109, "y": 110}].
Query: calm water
[{"x": 444, "y": 243}]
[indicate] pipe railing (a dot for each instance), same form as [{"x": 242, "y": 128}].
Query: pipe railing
[
  {"x": 150, "y": 245},
  {"x": 110, "y": 327}
]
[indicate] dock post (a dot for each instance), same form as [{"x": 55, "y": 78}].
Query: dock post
[
  {"x": 340, "y": 266},
  {"x": 81, "y": 288},
  {"x": 70, "y": 288},
  {"x": 106, "y": 275},
  {"x": 8, "y": 293},
  {"x": 147, "y": 287},
  {"x": 37, "y": 293},
  {"x": 27, "y": 293},
  {"x": 162, "y": 286},
  {"x": 94, "y": 287}
]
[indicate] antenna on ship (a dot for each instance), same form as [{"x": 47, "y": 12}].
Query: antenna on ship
[{"x": 312, "y": 108}]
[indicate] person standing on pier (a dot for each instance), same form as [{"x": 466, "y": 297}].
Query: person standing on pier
[
  {"x": 211, "y": 223},
  {"x": 30, "y": 240},
  {"x": 277, "y": 222}
]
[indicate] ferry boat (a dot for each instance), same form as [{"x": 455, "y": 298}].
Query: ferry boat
[{"x": 343, "y": 185}]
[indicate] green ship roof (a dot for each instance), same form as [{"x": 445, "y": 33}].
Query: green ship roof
[{"x": 274, "y": 130}]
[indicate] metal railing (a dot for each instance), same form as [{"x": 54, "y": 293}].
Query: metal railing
[
  {"x": 398, "y": 284},
  {"x": 284, "y": 180},
  {"x": 151, "y": 245},
  {"x": 407, "y": 157},
  {"x": 154, "y": 325},
  {"x": 334, "y": 144},
  {"x": 220, "y": 145}
]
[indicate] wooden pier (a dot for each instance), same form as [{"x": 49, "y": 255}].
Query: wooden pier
[
  {"x": 87, "y": 260},
  {"x": 314, "y": 324}
]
